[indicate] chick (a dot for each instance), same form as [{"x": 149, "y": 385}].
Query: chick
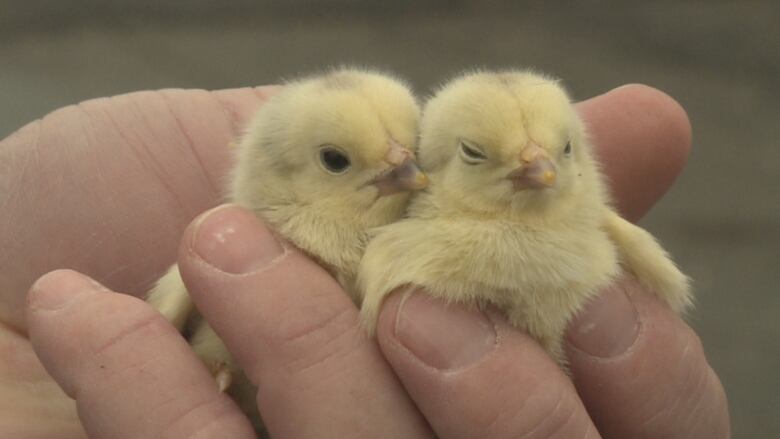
[
  {"x": 516, "y": 214},
  {"x": 324, "y": 160}
]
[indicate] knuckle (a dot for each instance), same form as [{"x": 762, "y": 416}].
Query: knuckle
[
  {"x": 557, "y": 415},
  {"x": 324, "y": 336},
  {"x": 123, "y": 332},
  {"x": 209, "y": 419},
  {"x": 685, "y": 395},
  {"x": 549, "y": 409}
]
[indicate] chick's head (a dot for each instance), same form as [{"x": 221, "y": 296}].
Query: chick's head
[
  {"x": 343, "y": 143},
  {"x": 508, "y": 141}
]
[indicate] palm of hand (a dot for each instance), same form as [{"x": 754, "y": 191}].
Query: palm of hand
[{"x": 108, "y": 186}]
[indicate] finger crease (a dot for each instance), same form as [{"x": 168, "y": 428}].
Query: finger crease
[
  {"x": 117, "y": 338},
  {"x": 190, "y": 143}
]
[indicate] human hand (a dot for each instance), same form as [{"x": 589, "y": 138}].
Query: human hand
[
  {"x": 104, "y": 187},
  {"x": 345, "y": 347}
]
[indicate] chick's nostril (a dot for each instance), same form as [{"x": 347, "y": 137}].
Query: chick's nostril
[
  {"x": 531, "y": 152},
  {"x": 539, "y": 173}
]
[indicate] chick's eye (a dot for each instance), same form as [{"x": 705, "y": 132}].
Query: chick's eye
[
  {"x": 334, "y": 161},
  {"x": 567, "y": 148},
  {"x": 471, "y": 154}
]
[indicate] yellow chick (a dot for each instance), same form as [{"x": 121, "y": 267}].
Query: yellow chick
[
  {"x": 324, "y": 160},
  {"x": 516, "y": 213}
]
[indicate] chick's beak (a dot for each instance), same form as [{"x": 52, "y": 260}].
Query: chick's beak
[
  {"x": 403, "y": 175},
  {"x": 536, "y": 170}
]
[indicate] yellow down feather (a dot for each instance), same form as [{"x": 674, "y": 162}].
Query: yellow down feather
[
  {"x": 536, "y": 246},
  {"x": 284, "y": 175}
]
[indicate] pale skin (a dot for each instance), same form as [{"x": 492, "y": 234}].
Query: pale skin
[{"x": 107, "y": 187}]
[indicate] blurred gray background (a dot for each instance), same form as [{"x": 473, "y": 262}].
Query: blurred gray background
[{"x": 721, "y": 60}]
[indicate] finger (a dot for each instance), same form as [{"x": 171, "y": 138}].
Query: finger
[
  {"x": 164, "y": 154},
  {"x": 473, "y": 376},
  {"x": 642, "y": 137},
  {"x": 129, "y": 371},
  {"x": 32, "y": 405},
  {"x": 641, "y": 370},
  {"x": 294, "y": 332}
]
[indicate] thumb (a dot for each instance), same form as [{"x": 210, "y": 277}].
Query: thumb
[{"x": 641, "y": 371}]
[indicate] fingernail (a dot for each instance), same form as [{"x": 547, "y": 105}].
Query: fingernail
[
  {"x": 56, "y": 289},
  {"x": 445, "y": 337},
  {"x": 234, "y": 241},
  {"x": 608, "y": 326}
]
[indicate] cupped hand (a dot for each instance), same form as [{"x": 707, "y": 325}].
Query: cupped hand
[
  {"x": 104, "y": 187},
  {"x": 297, "y": 335}
]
